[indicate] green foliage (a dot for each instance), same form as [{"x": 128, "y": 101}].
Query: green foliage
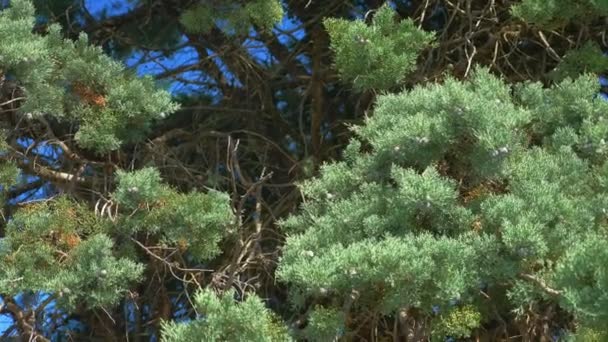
[
  {"x": 139, "y": 188},
  {"x": 582, "y": 276},
  {"x": 221, "y": 318},
  {"x": 449, "y": 186},
  {"x": 424, "y": 270},
  {"x": 325, "y": 324},
  {"x": 198, "y": 19},
  {"x": 60, "y": 248},
  {"x": 9, "y": 175},
  {"x": 458, "y": 323},
  {"x": 447, "y": 189},
  {"x": 194, "y": 221},
  {"x": 75, "y": 81},
  {"x": 93, "y": 277},
  {"x": 585, "y": 334},
  {"x": 377, "y": 56},
  {"x": 588, "y": 59},
  {"x": 233, "y": 18},
  {"x": 567, "y": 115},
  {"x": 555, "y": 13},
  {"x": 63, "y": 248}
]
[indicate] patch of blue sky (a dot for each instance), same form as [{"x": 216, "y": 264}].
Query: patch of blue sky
[
  {"x": 61, "y": 331},
  {"x": 101, "y": 8},
  {"x": 196, "y": 82},
  {"x": 50, "y": 315},
  {"x": 189, "y": 81},
  {"x": 358, "y": 12},
  {"x": 305, "y": 60},
  {"x": 282, "y": 105},
  {"x": 5, "y": 319},
  {"x": 226, "y": 26},
  {"x": 289, "y": 31},
  {"x": 404, "y": 3},
  {"x": 228, "y": 75},
  {"x": 157, "y": 62},
  {"x": 47, "y": 152},
  {"x": 129, "y": 310},
  {"x": 5, "y": 323},
  {"x": 181, "y": 311},
  {"x": 42, "y": 192},
  {"x": 43, "y": 150},
  {"x": 258, "y": 50}
]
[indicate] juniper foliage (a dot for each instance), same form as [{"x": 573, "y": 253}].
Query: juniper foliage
[
  {"x": 379, "y": 55},
  {"x": 76, "y": 82},
  {"x": 466, "y": 197},
  {"x": 223, "y": 319},
  {"x": 237, "y": 19},
  {"x": 557, "y": 13},
  {"x": 453, "y": 187}
]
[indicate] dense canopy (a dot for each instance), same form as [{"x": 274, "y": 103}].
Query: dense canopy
[{"x": 287, "y": 170}]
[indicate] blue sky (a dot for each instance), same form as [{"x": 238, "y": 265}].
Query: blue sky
[{"x": 155, "y": 63}]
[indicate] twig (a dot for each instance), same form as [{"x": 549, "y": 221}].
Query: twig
[
  {"x": 169, "y": 264},
  {"x": 541, "y": 283}
]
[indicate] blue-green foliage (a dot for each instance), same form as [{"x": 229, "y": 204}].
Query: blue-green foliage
[
  {"x": 61, "y": 248},
  {"x": 401, "y": 222},
  {"x": 72, "y": 80},
  {"x": 67, "y": 250},
  {"x": 221, "y": 318},
  {"x": 9, "y": 172},
  {"x": 9, "y": 175},
  {"x": 196, "y": 221},
  {"x": 412, "y": 270},
  {"x": 325, "y": 324},
  {"x": 582, "y": 274},
  {"x": 587, "y": 59},
  {"x": 555, "y": 13},
  {"x": 378, "y": 56},
  {"x": 138, "y": 188},
  {"x": 237, "y": 19}
]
